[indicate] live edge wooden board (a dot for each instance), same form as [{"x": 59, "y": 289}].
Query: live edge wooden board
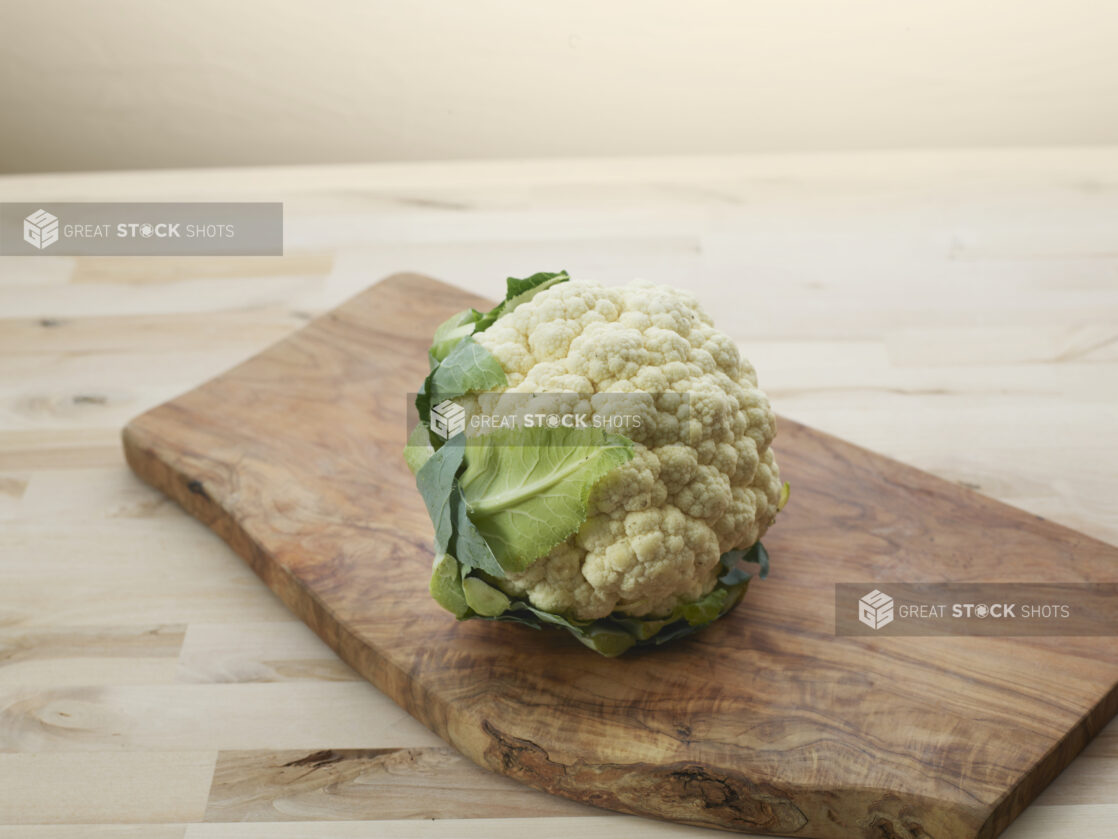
[{"x": 764, "y": 722}]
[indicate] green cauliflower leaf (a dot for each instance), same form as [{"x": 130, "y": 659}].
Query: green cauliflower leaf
[{"x": 527, "y": 489}]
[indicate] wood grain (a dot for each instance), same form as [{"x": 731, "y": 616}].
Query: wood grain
[
  {"x": 766, "y": 722},
  {"x": 357, "y": 784}
]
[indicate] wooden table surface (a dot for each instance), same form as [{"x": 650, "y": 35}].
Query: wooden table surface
[{"x": 957, "y": 311}]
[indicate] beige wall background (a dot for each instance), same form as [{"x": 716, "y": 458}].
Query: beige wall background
[{"x": 122, "y": 84}]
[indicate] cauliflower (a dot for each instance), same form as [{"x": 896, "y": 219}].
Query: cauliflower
[
  {"x": 656, "y": 525},
  {"x": 622, "y": 537}
]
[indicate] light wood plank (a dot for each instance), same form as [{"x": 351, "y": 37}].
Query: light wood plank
[
  {"x": 79, "y": 495},
  {"x": 106, "y": 786},
  {"x": 258, "y": 652},
  {"x": 59, "y": 448},
  {"x": 164, "y": 335},
  {"x": 193, "y": 579},
  {"x": 122, "y": 300},
  {"x": 95, "y": 599},
  {"x": 587, "y": 827},
  {"x": 285, "y": 715},
  {"x": 1079, "y": 821},
  {"x": 93, "y": 831},
  {"x": 174, "y": 269},
  {"x": 82, "y": 390},
  {"x": 1092, "y": 779},
  {"x": 1000, "y": 345},
  {"x": 483, "y": 264},
  {"x": 83, "y": 655}
]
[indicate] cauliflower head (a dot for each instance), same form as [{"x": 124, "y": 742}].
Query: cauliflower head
[{"x": 703, "y": 479}]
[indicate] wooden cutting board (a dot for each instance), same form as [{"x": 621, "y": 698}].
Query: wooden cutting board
[{"x": 764, "y": 722}]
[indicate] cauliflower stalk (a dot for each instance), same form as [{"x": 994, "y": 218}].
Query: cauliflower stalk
[{"x": 621, "y": 538}]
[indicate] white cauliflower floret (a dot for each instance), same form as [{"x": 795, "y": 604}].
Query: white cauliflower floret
[{"x": 703, "y": 479}]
